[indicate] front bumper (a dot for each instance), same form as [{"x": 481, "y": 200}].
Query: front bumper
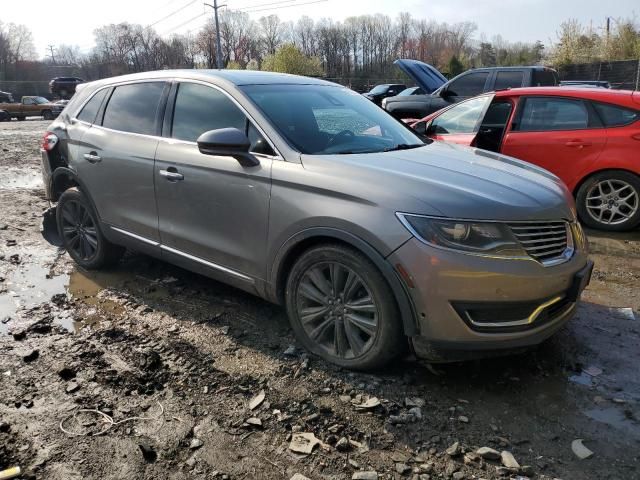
[{"x": 467, "y": 304}]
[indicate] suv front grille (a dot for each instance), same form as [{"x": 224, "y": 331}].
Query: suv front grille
[{"x": 544, "y": 241}]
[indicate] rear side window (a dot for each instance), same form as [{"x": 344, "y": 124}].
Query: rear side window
[
  {"x": 199, "y": 108},
  {"x": 614, "y": 115},
  {"x": 543, "y": 114},
  {"x": 90, "y": 109},
  {"x": 544, "y": 78},
  {"x": 508, "y": 80},
  {"x": 469, "y": 85},
  {"x": 132, "y": 108}
]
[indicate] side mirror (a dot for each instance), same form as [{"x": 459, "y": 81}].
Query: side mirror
[
  {"x": 421, "y": 128},
  {"x": 228, "y": 142},
  {"x": 445, "y": 92}
]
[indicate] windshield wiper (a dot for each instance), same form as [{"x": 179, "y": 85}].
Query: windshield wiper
[{"x": 404, "y": 146}]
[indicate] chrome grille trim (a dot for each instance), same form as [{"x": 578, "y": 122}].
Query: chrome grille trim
[{"x": 550, "y": 243}]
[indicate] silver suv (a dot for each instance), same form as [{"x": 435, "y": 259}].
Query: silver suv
[{"x": 306, "y": 194}]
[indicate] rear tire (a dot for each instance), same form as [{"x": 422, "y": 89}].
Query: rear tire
[
  {"x": 47, "y": 115},
  {"x": 21, "y": 119},
  {"x": 610, "y": 201},
  {"x": 82, "y": 237},
  {"x": 342, "y": 309}
]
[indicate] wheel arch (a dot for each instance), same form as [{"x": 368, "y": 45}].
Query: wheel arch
[
  {"x": 303, "y": 241},
  {"x": 584, "y": 179},
  {"x": 62, "y": 179}
]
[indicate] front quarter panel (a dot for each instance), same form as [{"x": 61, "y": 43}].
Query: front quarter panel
[{"x": 304, "y": 198}]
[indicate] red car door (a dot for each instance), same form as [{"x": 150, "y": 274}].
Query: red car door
[
  {"x": 562, "y": 135},
  {"x": 459, "y": 123}
]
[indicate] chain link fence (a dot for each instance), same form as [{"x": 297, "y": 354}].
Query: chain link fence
[{"x": 622, "y": 75}]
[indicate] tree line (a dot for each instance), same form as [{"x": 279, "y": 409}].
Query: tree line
[{"x": 360, "y": 48}]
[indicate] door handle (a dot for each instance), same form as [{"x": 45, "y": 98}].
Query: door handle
[
  {"x": 92, "y": 157},
  {"x": 578, "y": 143},
  {"x": 171, "y": 174}
]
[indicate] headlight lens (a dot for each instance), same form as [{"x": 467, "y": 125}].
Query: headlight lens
[{"x": 481, "y": 238}]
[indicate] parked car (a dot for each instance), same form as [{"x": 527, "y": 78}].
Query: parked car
[
  {"x": 377, "y": 93},
  {"x": 29, "y": 106},
  {"x": 306, "y": 194},
  {"x": 6, "y": 97},
  {"x": 64, "y": 87},
  {"x": 466, "y": 85},
  {"x": 411, "y": 91},
  {"x": 59, "y": 106},
  {"x": 585, "y": 83},
  {"x": 590, "y": 138}
]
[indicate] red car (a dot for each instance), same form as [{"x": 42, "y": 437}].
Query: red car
[{"x": 590, "y": 138}]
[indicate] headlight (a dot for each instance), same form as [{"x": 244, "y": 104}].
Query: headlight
[{"x": 480, "y": 238}]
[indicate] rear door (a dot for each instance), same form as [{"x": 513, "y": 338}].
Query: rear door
[
  {"x": 508, "y": 79},
  {"x": 116, "y": 156},
  {"x": 212, "y": 210},
  {"x": 560, "y": 134}
]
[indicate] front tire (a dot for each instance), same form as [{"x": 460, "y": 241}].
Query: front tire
[
  {"x": 610, "y": 201},
  {"x": 342, "y": 309},
  {"x": 80, "y": 231}
]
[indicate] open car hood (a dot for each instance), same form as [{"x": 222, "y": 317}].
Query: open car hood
[{"x": 426, "y": 76}]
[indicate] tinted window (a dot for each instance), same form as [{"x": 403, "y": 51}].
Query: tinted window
[
  {"x": 199, "y": 109},
  {"x": 463, "y": 118},
  {"x": 615, "y": 116},
  {"x": 508, "y": 80},
  {"x": 469, "y": 85},
  {"x": 90, "y": 110},
  {"x": 541, "y": 114},
  {"x": 132, "y": 108},
  {"x": 497, "y": 114},
  {"x": 544, "y": 78}
]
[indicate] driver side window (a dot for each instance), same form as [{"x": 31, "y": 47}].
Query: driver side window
[
  {"x": 463, "y": 118},
  {"x": 28, "y": 101},
  {"x": 199, "y": 108}
]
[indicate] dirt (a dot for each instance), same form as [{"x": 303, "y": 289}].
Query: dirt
[{"x": 151, "y": 370}]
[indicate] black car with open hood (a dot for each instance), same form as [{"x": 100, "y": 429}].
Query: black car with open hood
[{"x": 441, "y": 93}]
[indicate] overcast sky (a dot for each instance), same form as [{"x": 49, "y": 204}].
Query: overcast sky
[{"x": 73, "y": 21}]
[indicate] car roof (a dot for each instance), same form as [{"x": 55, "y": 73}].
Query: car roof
[
  {"x": 623, "y": 97},
  {"x": 235, "y": 77},
  {"x": 522, "y": 67}
]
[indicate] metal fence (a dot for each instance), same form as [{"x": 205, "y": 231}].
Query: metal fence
[{"x": 623, "y": 74}]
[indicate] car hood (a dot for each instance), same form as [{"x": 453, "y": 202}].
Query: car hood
[
  {"x": 449, "y": 180},
  {"x": 425, "y": 75}
]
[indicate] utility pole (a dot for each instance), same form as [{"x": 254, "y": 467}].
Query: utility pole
[
  {"x": 53, "y": 58},
  {"x": 215, "y": 7}
]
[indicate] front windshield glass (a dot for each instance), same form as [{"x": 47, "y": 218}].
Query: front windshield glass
[
  {"x": 324, "y": 120},
  {"x": 40, "y": 100},
  {"x": 379, "y": 89}
]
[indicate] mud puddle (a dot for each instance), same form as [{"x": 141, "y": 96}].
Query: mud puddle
[{"x": 33, "y": 284}]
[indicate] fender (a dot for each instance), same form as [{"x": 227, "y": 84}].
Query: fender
[{"x": 275, "y": 283}]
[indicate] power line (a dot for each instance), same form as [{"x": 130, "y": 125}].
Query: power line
[
  {"x": 255, "y": 5},
  {"x": 171, "y": 14},
  {"x": 283, "y": 6},
  {"x": 184, "y": 23}
]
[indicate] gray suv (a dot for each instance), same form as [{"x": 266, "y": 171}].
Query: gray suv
[{"x": 306, "y": 194}]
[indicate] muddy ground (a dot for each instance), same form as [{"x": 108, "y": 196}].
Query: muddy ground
[{"x": 173, "y": 361}]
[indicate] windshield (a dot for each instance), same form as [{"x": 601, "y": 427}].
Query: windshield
[
  {"x": 410, "y": 91},
  {"x": 40, "y": 100},
  {"x": 324, "y": 120},
  {"x": 379, "y": 89}
]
